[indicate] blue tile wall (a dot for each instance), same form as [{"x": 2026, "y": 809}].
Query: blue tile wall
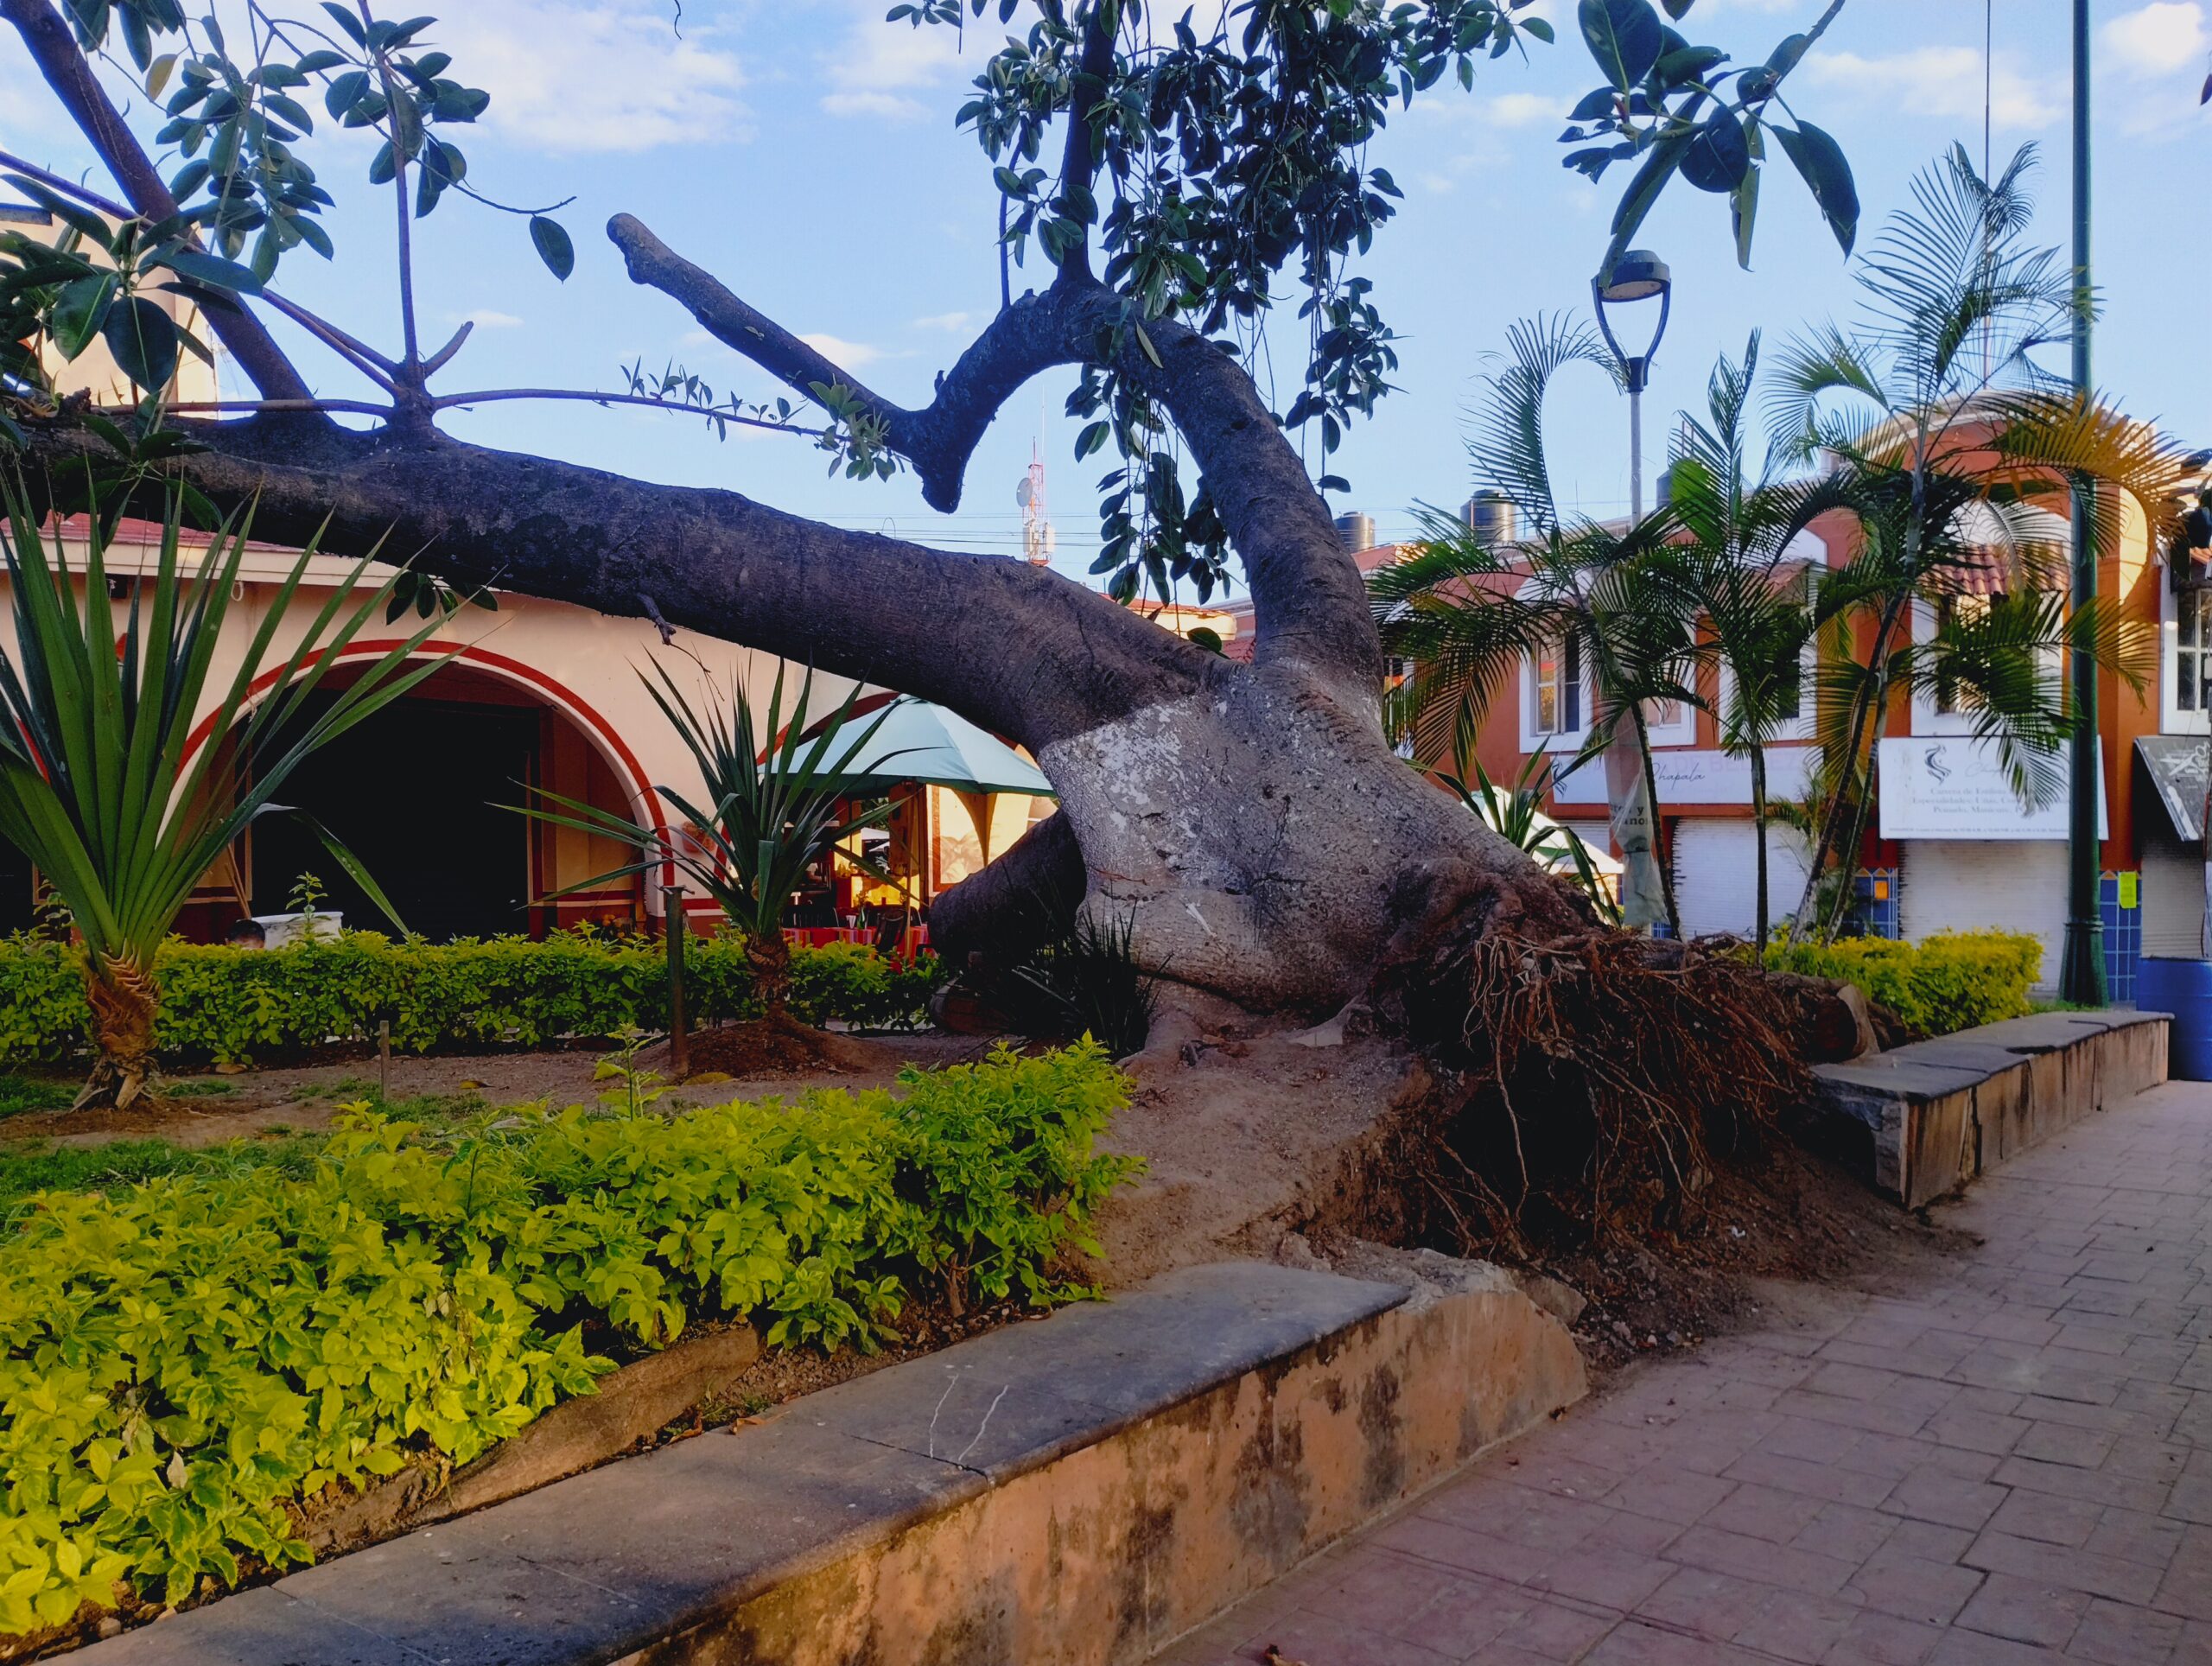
[
  {"x": 1872, "y": 915},
  {"x": 2123, "y": 938}
]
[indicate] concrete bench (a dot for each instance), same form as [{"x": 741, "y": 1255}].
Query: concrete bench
[
  {"x": 1077, "y": 1492},
  {"x": 1942, "y": 1111}
]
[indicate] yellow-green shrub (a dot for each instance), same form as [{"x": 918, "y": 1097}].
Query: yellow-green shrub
[
  {"x": 233, "y": 1006},
  {"x": 1949, "y": 981},
  {"x": 185, "y": 1360}
]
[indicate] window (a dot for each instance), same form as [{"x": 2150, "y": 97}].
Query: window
[
  {"x": 1555, "y": 689},
  {"x": 2193, "y": 650},
  {"x": 1794, "y": 700},
  {"x": 1946, "y": 690}
]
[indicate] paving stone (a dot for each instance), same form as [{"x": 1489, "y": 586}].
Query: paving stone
[
  {"x": 2025, "y": 1610},
  {"x": 2012, "y": 1462}
]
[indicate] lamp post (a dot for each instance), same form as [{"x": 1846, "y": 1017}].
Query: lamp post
[
  {"x": 1639, "y": 274},
  {"x": 2081, "y": 968}
]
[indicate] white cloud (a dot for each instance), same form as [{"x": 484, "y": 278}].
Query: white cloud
[
  {"x": 488, "y": 318},
  {"x": 2159, "y": 39},
  {"x": 891, "y": 106},
  {"x": 846, "y": 355},
  {"x": 947, "y": 321},
  {"x": 1522, "y": 109},
  {"x": 1942, "y": 82},
  {"x": 595, "y": 75},
  {"x": 879, "y": 67}
]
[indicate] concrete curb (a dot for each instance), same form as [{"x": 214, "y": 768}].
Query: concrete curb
[
  {"x": 1945, "y": 1110},
  {"x": 1074, "y": 1493}
]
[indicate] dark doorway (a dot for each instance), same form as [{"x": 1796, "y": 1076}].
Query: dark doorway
[{"x": 416, "y": 792}]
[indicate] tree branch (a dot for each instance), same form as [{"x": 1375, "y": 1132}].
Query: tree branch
[
  {"x": 54, "y": 48},
  {"x": 1079, "y": 157},
  {"x": 1024, "y": 652},
  {"x": 1309, "y": 600}
]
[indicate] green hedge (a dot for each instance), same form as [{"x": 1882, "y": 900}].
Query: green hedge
[
  {"x": 235, "y": 1006},
  {"x": 185, "y": 1362},
  {"x": 1950, "y": 981}
]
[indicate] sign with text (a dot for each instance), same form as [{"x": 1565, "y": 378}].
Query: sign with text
[
  {"x": 1952, "y": 786},
  {"x": 1689, "y": 776}
]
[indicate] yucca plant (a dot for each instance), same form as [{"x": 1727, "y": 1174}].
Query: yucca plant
[
  {"x": 773, "y": 811},
  {"x": 109, "y": 775}
]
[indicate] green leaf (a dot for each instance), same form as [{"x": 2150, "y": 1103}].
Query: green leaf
[
  {"x": 1659, "y": 166},
  {"x": 1540, "y": 29},
  {"x": 143, "y": 339},
  {"x": 79, "y": 310},
  {"x": 345, "y": 91},
  {"x": 1717, "y": 156},
  {"x": 553, "y": 246},
  {"x": 1625, "y": 36},
  {"x": 1820, "y": 161},
  {"x": 1743, "y": 214},
  {"x": 211, "y": 270}
]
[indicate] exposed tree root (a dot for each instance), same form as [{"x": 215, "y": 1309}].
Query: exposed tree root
[{"x": 1592, "y": 1081}]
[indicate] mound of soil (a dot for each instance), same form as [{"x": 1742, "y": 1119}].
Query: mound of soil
[{"x": 775, "y": 1047}]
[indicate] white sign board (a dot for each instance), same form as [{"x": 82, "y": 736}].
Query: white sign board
[
  {"x": 1687, "y": 776},
  {"x": 1952, "y": 786}
]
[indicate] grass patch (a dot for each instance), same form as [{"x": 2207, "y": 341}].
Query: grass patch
[
  {"x": 19, "y": 1094},
  {"x": 28, "y": 1169},
  {"x": 197, "y": 1089}
]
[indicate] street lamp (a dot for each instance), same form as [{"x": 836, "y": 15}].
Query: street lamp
[{"x": 1637, "y": 276}]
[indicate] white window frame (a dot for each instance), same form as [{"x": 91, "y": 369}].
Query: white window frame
[
  {"x": 1926, "y": 720},
  {"x": 1682, "y": 731},
  {"x": 1561, "y": 744},
  {"x": 1806, "y": 725},
  {"x": 2172, "y": 719}
]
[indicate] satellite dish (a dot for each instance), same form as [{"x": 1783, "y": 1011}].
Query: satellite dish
[{"x": 1021, "y": 493}]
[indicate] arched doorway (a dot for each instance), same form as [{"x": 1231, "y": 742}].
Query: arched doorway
[{"x": 424, "y": 793}]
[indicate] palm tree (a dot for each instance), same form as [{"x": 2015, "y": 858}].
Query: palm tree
[
  {"x": 1468, "y": 613},
  {"x": 774, "y": 809},
  {"x": 101, "y": 785},
  {"x": 1953, "y": 438},
  {"x": 1756, "y": 619}
]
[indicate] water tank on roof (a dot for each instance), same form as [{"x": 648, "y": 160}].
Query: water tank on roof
[
  {"x": 1665, "y": 485},
  {"x": 1356, "y": 530},
  {"x": 1489, "y": 515}
]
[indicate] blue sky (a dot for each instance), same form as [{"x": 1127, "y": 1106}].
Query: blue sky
[{"x": 804, "y": 151}]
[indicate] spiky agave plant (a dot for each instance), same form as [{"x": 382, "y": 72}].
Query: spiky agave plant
[
  {"x": 109, "y": 781},
  {"x": 774, "y": 809}
]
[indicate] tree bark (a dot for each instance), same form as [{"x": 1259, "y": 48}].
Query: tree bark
[
  {"x": 124, "y": 1001},
  {"x": 1248, "y": 820}
]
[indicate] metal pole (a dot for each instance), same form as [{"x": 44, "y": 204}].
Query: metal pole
[
  {"x": 679, "y": 1037},
  {"x": 2081, "y": 973},
  {"x": 1636, "y": 442}
]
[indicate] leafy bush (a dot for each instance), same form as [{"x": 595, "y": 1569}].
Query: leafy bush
[
  {"x": 1949, "y": 981},
  {"x": 237, "y": 1005},
  {"x": 185, "y": 1361}
]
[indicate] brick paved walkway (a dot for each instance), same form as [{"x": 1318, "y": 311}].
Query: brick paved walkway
[{"x": 2013, "y": 1463}]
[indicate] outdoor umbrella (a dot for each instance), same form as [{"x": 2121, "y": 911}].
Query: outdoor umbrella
[{"x": 919, "y": 741}]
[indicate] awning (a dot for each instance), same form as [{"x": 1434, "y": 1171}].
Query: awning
[
  {"x": 922, "y": 743},
  {"x": 2176, "y": 765}
]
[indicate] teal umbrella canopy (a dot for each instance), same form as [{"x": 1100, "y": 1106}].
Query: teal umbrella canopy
[{"x": 919, "y": 741}]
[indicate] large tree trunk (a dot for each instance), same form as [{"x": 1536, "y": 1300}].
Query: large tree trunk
[{"x": 1247, "y": 819}]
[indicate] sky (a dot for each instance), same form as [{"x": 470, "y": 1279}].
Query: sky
[{"x": 804, "y": 151}]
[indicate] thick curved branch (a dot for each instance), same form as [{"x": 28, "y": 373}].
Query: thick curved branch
[
  {"x": 1309, "y": 601},
  {"x": 1020, "y": 651},
  {"x": 54, "y": 48}
]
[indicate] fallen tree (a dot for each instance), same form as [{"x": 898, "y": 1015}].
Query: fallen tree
[{"x": 1248, "y": 821}]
